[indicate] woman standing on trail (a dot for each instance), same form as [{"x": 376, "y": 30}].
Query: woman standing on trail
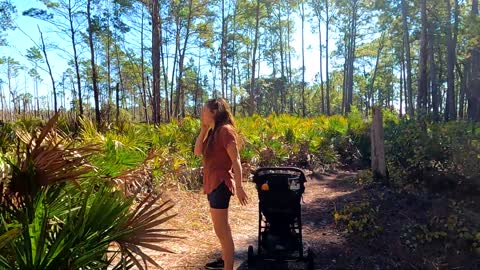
[{"x": 218, "y": 145}]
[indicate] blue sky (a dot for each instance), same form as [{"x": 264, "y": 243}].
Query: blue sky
[{"x": 27, "y": 33}]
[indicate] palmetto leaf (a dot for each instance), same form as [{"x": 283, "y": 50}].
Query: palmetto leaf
[
  {"x": 133, "y": 181},
  {"x": 6, "y": 237},
  {"x": 143, "y": 223},
  {"x": 51, "y": 157}
]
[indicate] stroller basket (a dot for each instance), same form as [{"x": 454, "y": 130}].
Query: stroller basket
[{"x": 280, "y": 192}]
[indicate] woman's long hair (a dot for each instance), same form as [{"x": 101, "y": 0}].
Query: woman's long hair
[{"x": 222, "y": 116}]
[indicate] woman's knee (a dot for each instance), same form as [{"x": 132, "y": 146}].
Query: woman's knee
[{"x": 223, "y": 230}]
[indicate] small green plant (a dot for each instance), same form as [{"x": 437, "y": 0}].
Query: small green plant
[
  {"x": 358, "y": 218},
  {"x": 448, "y": 230},
  {"x": 364, "y": 177}
]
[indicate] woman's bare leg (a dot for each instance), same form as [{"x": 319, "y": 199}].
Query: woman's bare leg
[{"x": 224, "y": 234}]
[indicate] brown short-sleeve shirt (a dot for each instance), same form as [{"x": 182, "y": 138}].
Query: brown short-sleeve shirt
[{"x": 217, "y": 165}]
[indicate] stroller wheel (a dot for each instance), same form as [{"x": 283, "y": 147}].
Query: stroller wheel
[
  {"x": 310, "y": 261},
  {"x": 251, "y": 259}
]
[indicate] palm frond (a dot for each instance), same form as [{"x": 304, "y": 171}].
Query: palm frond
[
  {"x": 50, "y": 157},
  {"x": 134, "y": 181},
  {"x": 144, "y": 224}
]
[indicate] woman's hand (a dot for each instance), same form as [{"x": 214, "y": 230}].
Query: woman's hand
[
  {"x": 203, "y": 124},
  {"x": 205, "y": 121},
  {"x": 241, "y": 195}
]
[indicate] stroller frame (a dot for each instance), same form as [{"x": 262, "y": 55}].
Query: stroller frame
[{"x": 292, "y": 215}]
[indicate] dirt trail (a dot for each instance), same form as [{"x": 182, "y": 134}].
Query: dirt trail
[{"x": 200, "y": 245}]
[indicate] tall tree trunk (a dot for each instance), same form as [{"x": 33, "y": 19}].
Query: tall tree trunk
[
  {"x": 402, "y": 82},
  {"x": 351, "y": 58},
  {"x": 92, "y": 63},
  {"x": 406, "y": 44},
  {"x": 37, "y": 112},
  {"x": 109, "y": 82},
  {"x": 289, "y": 51},
  {"x": 75, "y": 57},
  {"x": 327, "y": 22},
  {"x": 322, "y": 90},
  {"x": 222, "y": 49},
  {"x": 175, "y": 61},
  {"x": 474, "y": 84},
  {"x": 433, "y": 76},
  {"x": 345, "y": 71},
  {"x": 423, "y": 80},
  {"x": 440, "y": 79},
  {"x": 450, "y": 111},
  {"x": 375, "y": 70},
  {"x": 303, "y": 59},
  {"x": 44, "y": 50},
  {"x": 180, "y": 103},
  {"x": 318, "y": 14},
  {"x": 168, "y": 108},
  {"x": 252, "y": 105},
  {"x": 463, "y": 85},
  {"x": 142, "y": 59},
  {"x": 233, "y": 77},
  {"x": 117, "y": 102},
  {"x": 156, "y": 60},
  {"x": 119, "y": 89},
  {"x": 197, "y": 84},
  {"x": 11, "y": 91},
  {"x": 282, "y": 63}
]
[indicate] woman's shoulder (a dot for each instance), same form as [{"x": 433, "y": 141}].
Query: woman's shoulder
[{"x": 227, "y": 129}]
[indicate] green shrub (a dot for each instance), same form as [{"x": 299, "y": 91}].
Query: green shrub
[{"x": 56, "y": 212}]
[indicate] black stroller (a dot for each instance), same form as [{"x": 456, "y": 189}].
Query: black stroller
[{"x": 280, "y": 192}]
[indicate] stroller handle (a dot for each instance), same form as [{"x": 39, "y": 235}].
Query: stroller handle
[{"x": 280, "y": 169}]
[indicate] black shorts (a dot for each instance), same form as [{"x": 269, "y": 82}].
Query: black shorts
[{"x": 219, "y": 198}]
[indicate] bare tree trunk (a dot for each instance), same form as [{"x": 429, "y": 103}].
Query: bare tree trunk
[
  {"x": 117, "y": 102},
  {"x": 322, "y": 90},
  {"x": 289, "y": 51},
  {"x": 422, "y": 81},
  {"x": 92, "y": 63},
  {"x": 375, "y": 70},
  {"x": 156, "y": 60},
  {"x": 406, "y": 44},
  {"x": 119, "y": 88},
  {"x": 49, "y": 71},
  {"x": 474, "y": 84},
  {"x": 379, "y": 167},
  {"x": 345, "y": 72},
  {"x": 303, "y": 59},
  {"x": 450, "y": 111},
  {"x": 175, "y": 61},
  {"x": 433, "y": 76},
  {"x": 282, "y": 63},
  {"x": 222, "y": 49},
  {"x": 233, "y": 77},
  {"x": 327, "y": 22},
  {"x": 464, "y": 78},
  {"x": 402, "y": 82},
  {"x": 75, "y": 57},
  {"x": 351, "y": 58},
  {"x": 168, "y": 108},
  {"x": 180, "y": 99},
  {"x": 142, "y": 59},
  {"x": 252, "y": 104}
]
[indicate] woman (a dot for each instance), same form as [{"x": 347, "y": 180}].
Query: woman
[{"x": 218, "y": 145}]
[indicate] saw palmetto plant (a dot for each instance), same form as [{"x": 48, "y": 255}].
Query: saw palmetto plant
[{"x": 57, "y": 212}]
